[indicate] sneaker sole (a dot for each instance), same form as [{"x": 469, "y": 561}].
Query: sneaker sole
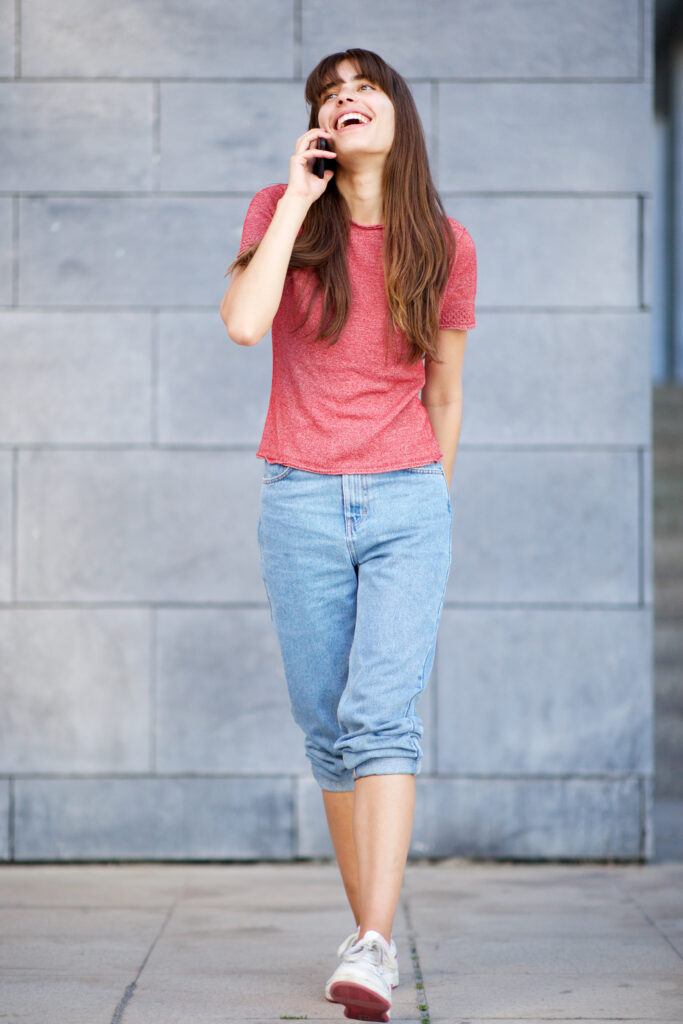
[
  {"x": 331, "y": 1000},
  {"x": 360, "y": 1003}
]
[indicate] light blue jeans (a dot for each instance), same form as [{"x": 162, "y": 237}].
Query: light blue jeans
[{"x": 355, "y": 568}]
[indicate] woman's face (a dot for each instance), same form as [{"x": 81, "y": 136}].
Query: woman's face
[{"x": 372, "y": 130}]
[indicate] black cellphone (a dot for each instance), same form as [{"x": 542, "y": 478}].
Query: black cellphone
[{"x": 320, "y": 164}]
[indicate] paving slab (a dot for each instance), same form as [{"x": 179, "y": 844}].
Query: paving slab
[
  {"x": 70, "y": 963},
  {"x": 563, "y": 996}
]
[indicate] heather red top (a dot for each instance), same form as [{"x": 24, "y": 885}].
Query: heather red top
[{"x": 343, "y": 409}]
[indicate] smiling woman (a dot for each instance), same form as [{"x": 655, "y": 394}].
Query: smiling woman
[{"x": 369, "y": 289}]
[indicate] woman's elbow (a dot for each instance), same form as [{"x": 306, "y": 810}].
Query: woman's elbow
[
  {"x": 240, "y": 337},
  {"x": 236, "y": 331}
]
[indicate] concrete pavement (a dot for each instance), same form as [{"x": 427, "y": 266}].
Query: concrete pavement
[{"x": 212, "y": 944}]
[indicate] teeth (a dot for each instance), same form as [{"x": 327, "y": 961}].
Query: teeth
[{"x": 352, "y": 115}]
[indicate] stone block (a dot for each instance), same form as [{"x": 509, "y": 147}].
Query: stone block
[
  {"x": 76, "y": 135},
  {"x": 7, "y": 36},
  {"x": 552, "y": 251},
  {"x": 75, "y": 378},
  {"x": 558, "y": 692},
  {"x": 224, "y": 136},
  {"x": 521, "y": 388},
  {"x": 145, "y": 251},
  {"x": 76, "y": 694},
  {"x": 498, "y": 39},
  {"x": 6, "y": 528},
  {"x": 223, "y": 704},
  {"x": 230, "y": 136},
  {"x": 147, "y": 525},
  {"x": 6, "y": 252},
  {"x": 149, "y": 818},
  {"x": 531, "y": 818},
  {"x": 154, "y": 39},
  {"x": 549, "y": 136},
  {"x": 545, "y": 526},
  {"x": 210, "y": 390},
  {"x": 4, "y": 819}
]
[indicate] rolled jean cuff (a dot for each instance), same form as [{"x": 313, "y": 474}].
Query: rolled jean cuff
[
  {"x": 388, "y": 766},
  {"x": 332, "y": 783}
]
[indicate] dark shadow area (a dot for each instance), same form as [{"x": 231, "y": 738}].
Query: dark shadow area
[{"x": 667, "y": 417}]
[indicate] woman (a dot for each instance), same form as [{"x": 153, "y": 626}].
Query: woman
[{"x": 369, "y": 289}]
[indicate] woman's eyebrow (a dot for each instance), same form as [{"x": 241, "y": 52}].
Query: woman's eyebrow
[{"x": 337, "y": 81}]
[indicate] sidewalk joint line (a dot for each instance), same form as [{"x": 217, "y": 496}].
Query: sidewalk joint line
[
  {"x": 421, "y": 995},
  {"x": 623, "y": 887},
  {"x": 130, "y": 989}
]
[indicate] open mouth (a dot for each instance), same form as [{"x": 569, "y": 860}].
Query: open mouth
[{"x": 350, "y": 119}]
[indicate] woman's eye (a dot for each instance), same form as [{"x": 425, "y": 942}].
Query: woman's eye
[{"x": 331, "y": 95}]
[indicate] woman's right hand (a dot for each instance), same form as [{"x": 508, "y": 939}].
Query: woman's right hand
[{"x": 303, "y": 183}]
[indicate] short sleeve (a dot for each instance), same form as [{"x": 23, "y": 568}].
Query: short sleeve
[
  {"x": 259, "y": 215},
  {"x": 457, "y": 307}
]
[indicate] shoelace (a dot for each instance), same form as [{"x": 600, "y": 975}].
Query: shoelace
[{"x": 360, "y": 951}]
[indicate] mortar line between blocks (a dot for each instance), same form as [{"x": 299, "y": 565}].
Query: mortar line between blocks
[
  {"x": 420, "y": 991},
  {"x": 130, "y": 989},
  {"x": 17, "y": 38},
  {"x": 153, "y": 691},
  {"x": 154, "y": 378},
  {"x": 14, "y": 527},
  {"x": 295, "y": 827},
  {"x": 641, "y": 470},
  {"x": 16, "y": 243},
  {"x": 434, "y": 113},
  {"x": 156, "y": 135},
  {"x": 10, "y": 820},
  {"x": 298, "y": 36},
  {"x": 641, "y": 255}
]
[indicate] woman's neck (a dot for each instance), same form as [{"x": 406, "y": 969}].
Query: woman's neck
[{"x": 362, "y": 190}]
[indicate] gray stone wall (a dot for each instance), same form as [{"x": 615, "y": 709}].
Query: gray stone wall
[{"x": 144, "y": 711}]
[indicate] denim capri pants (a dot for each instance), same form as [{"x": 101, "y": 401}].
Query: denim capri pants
[{"x": 355, "y": 568}]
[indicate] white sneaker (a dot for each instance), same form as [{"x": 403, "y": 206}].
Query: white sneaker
[
  {"x": 346, "y": 944},
  {"x": 362, "y": 980}
]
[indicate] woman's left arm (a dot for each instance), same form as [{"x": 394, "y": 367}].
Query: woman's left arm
[{"x": 442, "y": 395}]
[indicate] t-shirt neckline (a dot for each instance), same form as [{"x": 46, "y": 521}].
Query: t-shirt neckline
[{"x": 368, "y": 227}]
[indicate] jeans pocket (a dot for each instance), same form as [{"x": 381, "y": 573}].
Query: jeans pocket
[
  {"x": 274, "y": 471},
  {"x": 448, "y": 490}
]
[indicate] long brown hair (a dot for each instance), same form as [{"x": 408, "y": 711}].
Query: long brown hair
[{"x": 418, "y": 244}]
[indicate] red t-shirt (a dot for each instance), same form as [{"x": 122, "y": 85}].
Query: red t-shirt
[{"x": 343, "y": 409}]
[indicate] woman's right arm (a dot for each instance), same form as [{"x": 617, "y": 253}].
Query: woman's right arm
[{"x": 255, "y": 291}]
